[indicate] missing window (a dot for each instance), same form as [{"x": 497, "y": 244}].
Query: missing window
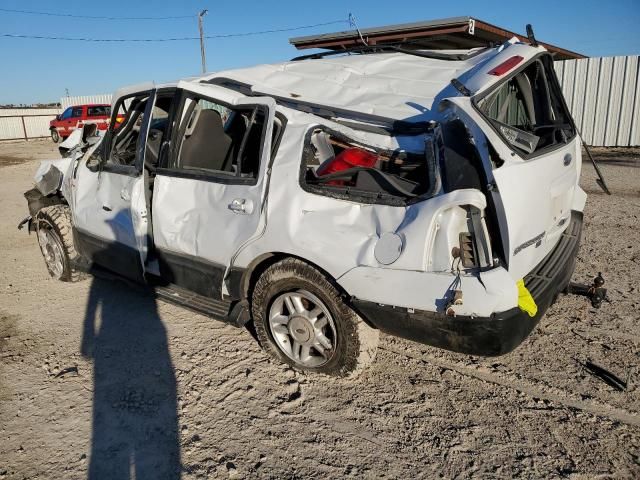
[
  {"x": 528, "y": 111},
  {"x": 215, "y": 138},
  {"x": 337, "y": 166},
  {"x": 125, "y": 130}
]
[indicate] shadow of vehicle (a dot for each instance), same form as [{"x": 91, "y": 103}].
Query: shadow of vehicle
[{"x": 135, "y": 423}]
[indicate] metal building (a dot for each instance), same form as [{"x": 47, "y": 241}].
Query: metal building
[
  {"x": 85, "y": 99},
  {"x": 603, "y": 94}
]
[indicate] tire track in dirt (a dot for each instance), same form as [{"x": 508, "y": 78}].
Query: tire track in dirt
[{"x": 595, "y": 408}]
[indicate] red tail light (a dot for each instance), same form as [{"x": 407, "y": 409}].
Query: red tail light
[
  {"x": 505, "y": 66},
  {"x": 351, "y": 157}
]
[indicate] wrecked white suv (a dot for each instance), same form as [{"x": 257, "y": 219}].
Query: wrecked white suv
[{"x": 331, "y": 197}]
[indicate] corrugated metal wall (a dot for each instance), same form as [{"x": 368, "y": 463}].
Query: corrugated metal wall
[
  {"x": 80, "y": 100},
  {"x": 603, "y": 94},
  {"x": 23, "y": 123}
]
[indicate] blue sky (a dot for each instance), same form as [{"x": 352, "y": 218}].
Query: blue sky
[{"x": 40, "y": 70}]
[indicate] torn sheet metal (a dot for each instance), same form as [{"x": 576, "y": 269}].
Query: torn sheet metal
[
  {"x": 341, "y": 236},
  {"x": 50, "y": 173},
  {"x": 71, "y": 141}
]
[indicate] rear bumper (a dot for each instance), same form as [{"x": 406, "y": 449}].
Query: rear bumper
[{"x": 497, "y": 334}]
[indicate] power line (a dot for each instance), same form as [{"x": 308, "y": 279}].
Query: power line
[
  {"x": 90, "y": 17},
  {"x": 174, "y": 39}
]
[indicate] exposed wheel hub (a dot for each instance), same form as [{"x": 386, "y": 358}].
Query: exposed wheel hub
[{"x": 301, "y": 330}]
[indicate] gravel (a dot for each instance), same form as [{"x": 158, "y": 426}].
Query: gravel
[{"x": 159, "y": 392}]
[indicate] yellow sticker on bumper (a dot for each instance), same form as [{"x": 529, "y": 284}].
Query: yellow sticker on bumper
[{"x": 525, "y": 300}]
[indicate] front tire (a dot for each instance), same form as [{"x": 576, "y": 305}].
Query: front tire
[
  {"x": 53, "y": 229},
  {"x": 302, "y": 319},
  {"x": 55, "y": 136}
]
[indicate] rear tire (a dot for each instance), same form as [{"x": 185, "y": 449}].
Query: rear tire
[
  {"x": 55, "y": 136},
  {"x": 302, "y": 319},
  {"x": 53, "y": 229}
]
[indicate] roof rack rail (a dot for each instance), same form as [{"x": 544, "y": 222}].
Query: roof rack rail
[{"x": 370, "y": 49}]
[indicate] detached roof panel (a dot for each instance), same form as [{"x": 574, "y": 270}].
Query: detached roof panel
[
  {"x": 400, "y": 27},
  {"x": 456, "y": 32}
]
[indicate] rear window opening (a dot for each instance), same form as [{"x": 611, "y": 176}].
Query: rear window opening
[
  {"x": 527, "y": 110},
  {"x": 337, "y": 166}
]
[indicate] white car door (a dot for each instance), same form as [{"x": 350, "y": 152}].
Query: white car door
[
  {"x": 209, "y": 190},
  {"x": 109, "y": 207}
]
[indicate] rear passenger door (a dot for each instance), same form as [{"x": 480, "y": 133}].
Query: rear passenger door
[{"x": 209, "y": 188}]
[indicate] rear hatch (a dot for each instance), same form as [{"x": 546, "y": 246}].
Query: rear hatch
[{"x": 537, "y": 154}]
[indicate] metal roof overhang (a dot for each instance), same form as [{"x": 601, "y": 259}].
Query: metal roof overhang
[{"x": 448, "y": 33}]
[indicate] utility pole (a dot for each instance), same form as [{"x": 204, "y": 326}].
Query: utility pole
[{"x": 203, "y": 54}]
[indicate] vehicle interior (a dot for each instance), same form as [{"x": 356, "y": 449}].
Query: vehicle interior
[
  {"x": 207, "y": 137},
  {"x": 528, "y": 110},
  {"x": 157, "y": 130},
  {"x": 123, "y": 144},
  {"x": 333, "y": 162},
  {"x": 216, "y": 138}
]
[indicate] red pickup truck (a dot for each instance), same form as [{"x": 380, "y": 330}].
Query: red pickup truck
[{"x": 76, "y": 116}]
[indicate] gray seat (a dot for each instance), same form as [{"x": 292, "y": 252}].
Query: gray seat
[{"x": 207, "y": 147}]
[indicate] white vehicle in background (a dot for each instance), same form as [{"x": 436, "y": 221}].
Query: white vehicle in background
[{"x": 430, "y": 195}]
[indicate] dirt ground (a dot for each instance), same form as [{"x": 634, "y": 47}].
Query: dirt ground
[{"x": 161, "y": 392}]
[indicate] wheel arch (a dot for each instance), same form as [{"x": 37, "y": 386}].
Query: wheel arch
[
  {"x": 36, "y": 201},
  {"x": 258, "y": 265},
  {"x": 357, "y": 342},
  {"x": 244, "y": 287}
]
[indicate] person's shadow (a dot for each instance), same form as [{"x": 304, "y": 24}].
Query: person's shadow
[{"x": 135, "y": 423}]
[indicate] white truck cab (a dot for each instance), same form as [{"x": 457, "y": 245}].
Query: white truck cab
[{"x": 430, "y": 195}]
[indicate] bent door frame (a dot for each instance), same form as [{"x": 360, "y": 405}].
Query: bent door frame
[
  {"x": 123, "y": 246},
  {"x": 192, "y": 252}
]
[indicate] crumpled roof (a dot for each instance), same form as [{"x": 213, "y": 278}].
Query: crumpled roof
[{"x": 393, "y": 85}]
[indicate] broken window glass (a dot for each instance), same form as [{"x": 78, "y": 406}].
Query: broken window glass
[
  {"x": 527, "y": 110},
  {"x": 336, "y": 165}
]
